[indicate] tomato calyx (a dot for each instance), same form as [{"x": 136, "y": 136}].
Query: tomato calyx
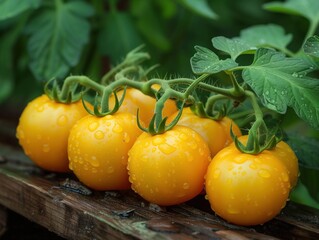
[
  {"x": 101, "y": 106},
  {"x": 260, "y": 138},
  {"x": 53, "y": 91},
  {"x": 157, "y": 126}
]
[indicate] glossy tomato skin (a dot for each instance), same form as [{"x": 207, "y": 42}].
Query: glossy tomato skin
[
  {"x": 135, "y": 99},
  {"x": 98, "y": 150},
  {"x": 284, "y": 152},
  {"x": 215, "y": 133},
  {"x": 169, "y": 168},
  {"x": 246, "y": 189},
  {"x": 43, "y": 131}
]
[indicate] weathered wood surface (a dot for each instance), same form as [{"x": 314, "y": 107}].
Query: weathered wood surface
[{"x": 43, "y": 198}]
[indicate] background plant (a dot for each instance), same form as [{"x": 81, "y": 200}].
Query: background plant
[{"x": 44, "y": 39}]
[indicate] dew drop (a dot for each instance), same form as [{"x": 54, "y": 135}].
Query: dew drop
[
  {"x": 206, "y": 197},
  {"x": 264, "y": 173},
  {"x": 285, "y": 177},
  {"x": 166, "y": 148},
  {"x": 71, "y": 166},
  {"x": 40, "y": 108},
  {"x": 183, "y": 136},
  {"x": 110, "y": 170},
  {"x": 267, "y": 92},
  {"x": 94, "y": 161},
  {"x": 117, "y": 128},
  {"x": 295, "y": 74},
  {"x": 20, "y": 134},
  {"x": 185, "y": 185},
  {"x": 46, "y": 148},
  {"x": 93, "y": 126},
  {"x": 62, "y": 120},
  {"x": 157, "y": 141},
  {"x": 232, "y": 210},
  {"x": 99, "y": 134},
  {"x": 126, "y": 137},
  {"x": 216, "y": 173},
  {"x": 253, "y": 166}
]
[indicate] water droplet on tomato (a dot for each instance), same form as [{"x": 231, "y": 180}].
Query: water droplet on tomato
[
  {"x": 216, "y": 173},
  {"x": 99, "y": 134},
  {"x": 284, "y": 177},
  {"x": 94, "y": 161},
  {"x": 166, "y": 148},
  {"x": 46, "y": 148},
  {"x": 93, "y": 126},
  {"x": 157, "y": 140},
  {"x": 40, "y": 108},
  {"x": 117, "y": 128},
  {"x": 239, "y": 160},
  {"x": 206, "y": 197},
  {"x": 232, "y": 210},
  {"x": 185, "y": 185},
  {"x": 62, "y": 120},
  {"x": 201, "y": 151},
  {"x": 253, "y": 166},
  {"x": 126, "y": 137},
  {"x": 264, "y": 173},
  {"x": 183, "y": 136},
  {"x": 71, "y": 166},
  {"x": 110, "y": 170},
  {"x": 94, "y": 170},
  {"x": 20, "y": 133}
]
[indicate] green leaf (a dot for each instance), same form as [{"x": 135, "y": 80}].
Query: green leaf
[
  {"x": 300, "y": 194},
  {"x": 234, "y": 47},
  {"x": 149, "y": 23},
  {"x": 7, "y": 67},
  {"x": 12, "y": 8},
  {"x": 200, "y": 7},
  {"x": 305, "y": 8},
  {"x": 269, "y": 35},
  {"x": 118, "y": 36},
  {"x": 57, "y": 38},
  {"x": 311, "y": 46},
  {"x": 206, "y": 61},
  {"x": 306, "y": 149},
  {"x": 281, "y": 82}
]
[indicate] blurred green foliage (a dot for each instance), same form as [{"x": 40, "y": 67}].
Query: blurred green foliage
[{"x": 44, "y": 39}]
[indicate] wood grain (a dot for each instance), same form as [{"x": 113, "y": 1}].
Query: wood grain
[{"x": 43, "y": 198}]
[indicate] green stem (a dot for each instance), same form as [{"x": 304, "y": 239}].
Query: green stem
[
  {"x": 210, "y": 88},
  {"x": 82, "y": 80},
  {"x": 311, "y": 31},
  {"x": 209, "y": 108},
  {"x": 257, "y": 110}
]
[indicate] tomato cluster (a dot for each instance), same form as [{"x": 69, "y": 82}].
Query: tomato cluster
[{"x": 112, "y": 153}]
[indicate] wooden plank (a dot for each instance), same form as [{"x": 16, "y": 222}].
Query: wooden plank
[
  {"x": 3, "y": 220},
  {"x": 43, "y": 198}
]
